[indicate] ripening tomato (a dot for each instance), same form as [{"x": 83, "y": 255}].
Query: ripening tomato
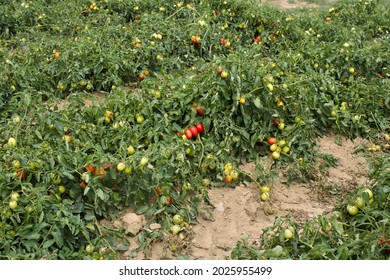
[
  {"x": 200, "y": 128},
  {"x": 224, "y": 74},
  {"x": 228, "y": 179},
  {"x": 271, "y": 140},
  {"x": 188, "y": 133}
]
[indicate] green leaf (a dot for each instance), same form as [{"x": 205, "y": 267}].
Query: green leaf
[{"x": 257, "y": 102}]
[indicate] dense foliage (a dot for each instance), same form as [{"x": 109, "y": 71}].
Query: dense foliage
[{"x": 245, "y": 71}]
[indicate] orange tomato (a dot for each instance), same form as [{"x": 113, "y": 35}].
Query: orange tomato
[{"x": 91, "y": 168}]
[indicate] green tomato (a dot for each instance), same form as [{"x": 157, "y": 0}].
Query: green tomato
[
  {"x": 369, "y": 192},
  {"x": 61, "y": 189},
  {"x": 175, "y": 229},
  {"x": 177, "y": 219},
  {"x": 359, "y": 202},
  {"x": 288, "y": 233},
  {"x": 275, "y": 155},
  {"x": 89, "y": 249},
  {"x": 121, "y": 166},
  {"x": 13, "y": 204},
  {"x": 144, "y": 161},
  {"x": 140, "y": 119},
  {"x": 12, "y": 142},
  {"x": 352, "y": 210},
  {"x": 14, "y": 196},
  {"x": 130, "y": 150}
]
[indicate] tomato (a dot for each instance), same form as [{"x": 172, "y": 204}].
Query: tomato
[
  {"x": 273, "y": 147},
  {"x": 234, "y": 174},
  {"x": 89, "y": 249},
  {"x": 369, "y": 192},
  {"x": 219, "y": 70},
  {"x": 61, "y": 189},
  {"x": 188, "y": 133},
  {"x": 67, "y": 138},
  {"x": 144, "y": 161},
  {"x": 265, "y": 189},
  {"x": 175, "y": 229},
  {"x": 228, "y": 167},
  {"x": 22, "y": 174},
  {"x": 194, "y": 131},
  {"x": 130, "y": 150},
  {"x": 351, "y": 70},
  {"x": 282, "y": 143},
  {"x": 206, "y": 182},
  {"x": 224, "y": 74},
  {"x": 242, "y": 100},
  {"x": 91, "y": 168},
  {"x": 200, "y": 111},
  {"x": 359, "y": 202},
  {"x": 16, "y": 164},
  {"x": 14, "y": 196},
  {"x": 281, "y": 126},
  {"x": 271, "y": 140},
  {"x": 121, "y": 166},
  {"x": 101, "y": 172},
  {"x": 200, "y": 128},
  {"x": 16, "y": 119},
  {"x": 352, "y": 210},
  {"x": 139, "y": 119},
  {"x": 228, "y": 179},
  {"x": 285, "y": 149},
  {"x": 275, "y": 155},
  {"x": 177, "y": 219},
  {"x": 270, "y": 87},
  {"x": 275, "y": 123},
  {"x": 288, "y": 234},
  {"x": 264, "y": 196},
  {"x": 12, "y": 142},
  {"x": 297, "y": 120},
  {"x": 128, "y": 169},
  {"x": 83, "y": 184},
  {"x": 13, "y": 204},
  {"x": 57, "y": 55}
]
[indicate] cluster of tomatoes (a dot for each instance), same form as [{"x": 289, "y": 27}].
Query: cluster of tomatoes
[
  {"x": 360, "y": 202},
  {"x": 179, "y": 226},
  {"x": 193, "y": 131},
  {"x": 230, "y": 173},
  {"x": 264, "y": 192},
  {"x": 277, "y": 147}
]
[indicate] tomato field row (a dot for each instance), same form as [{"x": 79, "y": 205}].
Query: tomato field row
[{"x": 192, "y": 90}]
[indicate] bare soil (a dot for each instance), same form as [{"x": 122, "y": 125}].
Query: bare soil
[{"x": 239, "y": 211}]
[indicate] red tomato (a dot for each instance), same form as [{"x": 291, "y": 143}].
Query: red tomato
[
  {"x": 272, "y": 140},
  {"x": 200, "y": 128},
  {"x": 194, "y": 131},
  {"x": 188, "y": 134}
]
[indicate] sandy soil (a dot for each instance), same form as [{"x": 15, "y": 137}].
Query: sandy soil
[{"x": 239, "y": 211}]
